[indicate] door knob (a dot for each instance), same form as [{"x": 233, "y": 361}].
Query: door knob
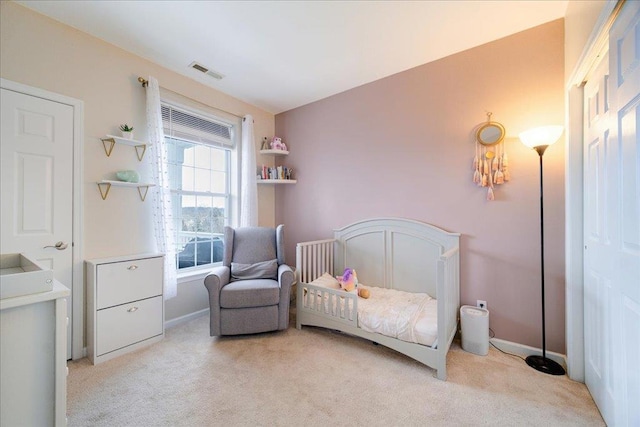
[{"x": 61, "y": 246}]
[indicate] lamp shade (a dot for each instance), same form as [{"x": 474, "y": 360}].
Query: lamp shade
[{"x": 542, "y": 136}]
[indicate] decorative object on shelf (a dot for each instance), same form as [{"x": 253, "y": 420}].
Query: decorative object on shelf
[
  {"x": 265, "y": 144},
  {"x": 277, "y": 144},
  {"x": 128, "y": 176},
  {"x": 490, "y": 164},
  {"x": 539, "y": 139},
  {"x": 275, "y": 173},
  {"x": 127, "y": 131},
  {"x": 109, "y": 141}
]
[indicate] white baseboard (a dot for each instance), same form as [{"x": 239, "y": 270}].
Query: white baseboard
[
  {"x": 525, "y": 350},
  {"x": 187, "y": 317},
  {"x": 84, "y": 353}
]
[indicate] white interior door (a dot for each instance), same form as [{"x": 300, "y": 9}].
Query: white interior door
[
  {"x": 36, "y": 140},
  {"x": 598, "y": 274},
  {"x": 624, "y": 209},
  {"x": 612, "y": 224}
]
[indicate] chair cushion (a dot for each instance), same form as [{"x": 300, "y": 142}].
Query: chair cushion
[
  {"x": 259, "y": 270},
  {"x": 253, "y": 244},
  {"x": 250, "y": 293}
]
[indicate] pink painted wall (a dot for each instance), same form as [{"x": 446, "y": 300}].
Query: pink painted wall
[{"x": 403, "y": 146}]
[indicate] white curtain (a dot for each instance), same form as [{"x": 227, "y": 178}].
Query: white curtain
[
  {"x": 162, "y": 205},
  {"x": 248, "y": 190}
]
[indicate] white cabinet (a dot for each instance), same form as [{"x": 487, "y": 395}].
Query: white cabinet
[
  {"x": 33, "y": 358},
  {"x": 125, "y": 304}
]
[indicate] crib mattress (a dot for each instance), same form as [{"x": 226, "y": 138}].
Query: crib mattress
[
  {"x": 411, "y": 317},
  {"x": 407, "y": 316}
]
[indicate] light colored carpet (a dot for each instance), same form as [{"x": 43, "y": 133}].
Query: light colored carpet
[{"x": 314, "y": 377}]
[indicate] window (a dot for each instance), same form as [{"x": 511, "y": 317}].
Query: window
[{"x": 199, "y": 163}]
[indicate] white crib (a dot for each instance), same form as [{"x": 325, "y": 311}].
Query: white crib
[{"x": 393, "y": 253}]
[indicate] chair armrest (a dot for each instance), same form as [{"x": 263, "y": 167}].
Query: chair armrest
[
  {"x": 214, "y": 282},
  {"x": 217, "y": 278},
  {"x": 286, "y": 277}
]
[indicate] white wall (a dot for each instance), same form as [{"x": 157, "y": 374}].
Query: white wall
[{"x": 40, "y": 52}]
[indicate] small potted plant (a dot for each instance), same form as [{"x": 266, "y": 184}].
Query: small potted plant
[{"x": 127, "y": 131}]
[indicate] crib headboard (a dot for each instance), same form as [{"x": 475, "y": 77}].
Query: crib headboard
[{"x": 393, "y": 253}]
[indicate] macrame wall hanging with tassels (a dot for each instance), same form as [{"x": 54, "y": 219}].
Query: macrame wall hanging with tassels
[{"x": 491, "y": 164}]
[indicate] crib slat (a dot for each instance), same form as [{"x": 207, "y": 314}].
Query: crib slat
[
  {"x": 306, "y": 264},
  {"x": 303, "y": 264},
  {"x": 330, "y": 257},
  {"x": 309, "y": 260}
]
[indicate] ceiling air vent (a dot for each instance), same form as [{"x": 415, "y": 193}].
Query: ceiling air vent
[{"x": 205, "y": 70}]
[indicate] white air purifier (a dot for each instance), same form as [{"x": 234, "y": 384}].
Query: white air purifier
[{"x": 475, "y": 329}]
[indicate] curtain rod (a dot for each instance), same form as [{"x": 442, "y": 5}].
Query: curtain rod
[{"x": 144, "y": 82}]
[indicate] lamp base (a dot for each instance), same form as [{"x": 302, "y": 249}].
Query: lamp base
[{"x": 545, "y": 365}]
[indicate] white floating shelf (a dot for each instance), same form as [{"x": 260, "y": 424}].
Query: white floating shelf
[
  {"x": 277, "y": 181},
  {"x": 140, "y": 146},
  {"x": 105, "y": 185},
  {"x": 126, "y": 141},
  {"x": 126, "y": 184},
  {"x": 274, "y": 152}
]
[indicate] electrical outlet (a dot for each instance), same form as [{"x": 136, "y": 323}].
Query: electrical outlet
[{"x": 481, "y": 304}]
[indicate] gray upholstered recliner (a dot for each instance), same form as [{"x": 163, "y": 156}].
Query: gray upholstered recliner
[{"x": 249, "y": 293}]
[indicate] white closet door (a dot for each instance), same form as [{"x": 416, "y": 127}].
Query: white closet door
[
  {"x": 599, "y": 304},
  {"x": 612, "y": 225},
  {"x": 624, "y": 209}
]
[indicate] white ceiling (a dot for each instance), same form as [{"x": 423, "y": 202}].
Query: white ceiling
[{"x": 279, "y": 55}]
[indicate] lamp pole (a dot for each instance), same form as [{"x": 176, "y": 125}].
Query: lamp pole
[{"x": 541, "y": 363}]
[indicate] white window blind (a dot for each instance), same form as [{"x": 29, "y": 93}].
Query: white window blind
[{"x": 186, "y": 125}]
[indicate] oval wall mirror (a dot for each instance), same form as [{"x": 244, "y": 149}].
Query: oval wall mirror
[{"x": 490, "y": 133}]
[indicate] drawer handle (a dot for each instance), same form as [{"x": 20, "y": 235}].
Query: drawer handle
[
  {"x": 132, "y": 267},
  {"x": 132, "y": 309}
]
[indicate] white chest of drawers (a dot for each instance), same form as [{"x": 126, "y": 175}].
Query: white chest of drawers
[
  {"x": 125, "y": 304},
  {"x": 33, "y": 358}
]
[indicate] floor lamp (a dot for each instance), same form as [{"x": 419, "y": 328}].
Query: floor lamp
[{"x": 539, "y": 139}]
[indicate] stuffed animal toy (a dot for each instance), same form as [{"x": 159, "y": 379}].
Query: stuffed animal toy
[
  {"x": 277, "y": 144},
  {"x": 349, "y": 282}
]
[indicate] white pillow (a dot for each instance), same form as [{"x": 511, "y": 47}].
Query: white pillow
[{"x": 327, "y": 281}]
